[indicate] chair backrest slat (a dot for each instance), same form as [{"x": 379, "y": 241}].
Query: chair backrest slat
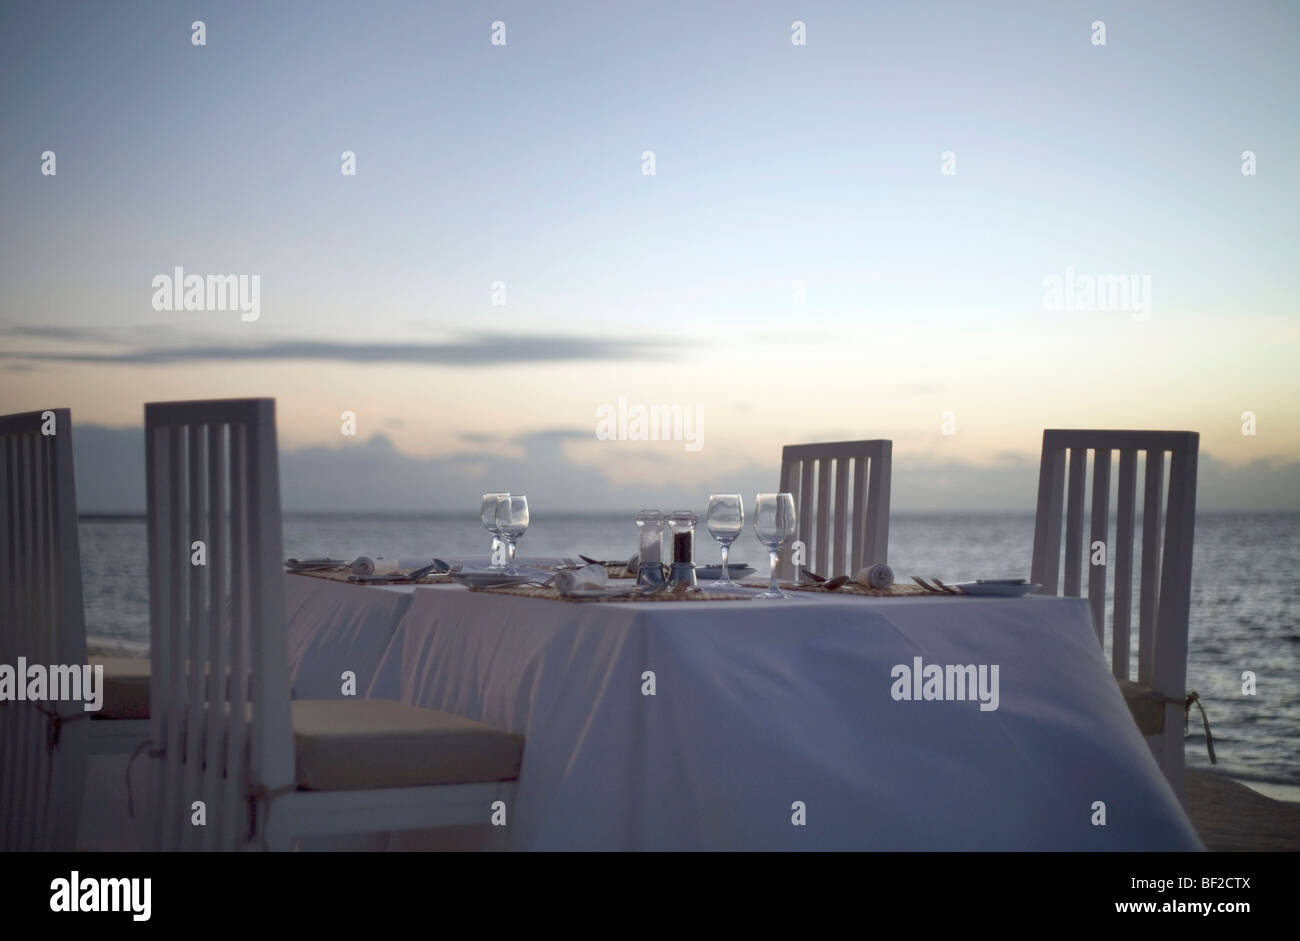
[
  {"x": 1170, "y": 668},
  {"x": 823, "y": 509},
  {"x": 1074, "y": 521},
  {"x": 861, "y": 539},
  {"x": 1122, "y": 559},
  {"x": 875, "y": 511},
  {"x": 841, "y": 513},
  {"x": 841, "y": 493},
  {"x": 196, "y": 617},
  {"x": 1165, "y": 587},
  {"x": 1152, "y": 507},
  {"x": 172, "y": 675},
  {"x": 1047, "y": 519},
  {"x": 218, "y": 664},
  {"x": 8, "y": 560},
  {"x": 237, "y": 742},
  {"x": 1099, "y": 532},
  {"x": 217, "y": 621},
  {"x": 806, "y": 498},
  {"x": 42, "y": 620}
]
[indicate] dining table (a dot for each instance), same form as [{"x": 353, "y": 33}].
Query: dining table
[{"x": 821, "y": 721}]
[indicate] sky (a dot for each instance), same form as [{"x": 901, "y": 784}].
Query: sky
[{"x": 798, "y": 267}]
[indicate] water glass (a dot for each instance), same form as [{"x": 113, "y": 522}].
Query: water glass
[
  {"x": 488, "y": 515},
  {"x": 774, "y": 523},
  {"x": 512, "y": 519},
  {"x": 726, "y": 519}
]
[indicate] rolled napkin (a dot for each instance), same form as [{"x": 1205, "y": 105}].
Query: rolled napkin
[
  {"x": 587, "y": 577},
  {"x": 879, "y": 575},
  {"x": 365, "y": 565}
]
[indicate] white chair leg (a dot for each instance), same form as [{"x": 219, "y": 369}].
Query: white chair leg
[{"x": 1172, "y": 757}]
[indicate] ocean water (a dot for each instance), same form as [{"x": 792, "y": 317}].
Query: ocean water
[{"x": 1245, "y": 595}]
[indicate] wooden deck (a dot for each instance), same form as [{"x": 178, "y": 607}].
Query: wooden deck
[{"x": 1230, "y": 817}]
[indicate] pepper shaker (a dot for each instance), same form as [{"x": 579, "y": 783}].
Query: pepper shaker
[{"x": 682, "y": 523}]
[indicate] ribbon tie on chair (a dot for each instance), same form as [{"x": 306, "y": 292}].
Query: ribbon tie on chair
[
  {"x": 1186, "y": 703},
  {"x": 55, "y": 727},
  {"x": 153, "y": 753},
  {"x": 261, "y": 793},
  {"x": 53, "y": 730},
  {"x": 1194, "y": 697}
]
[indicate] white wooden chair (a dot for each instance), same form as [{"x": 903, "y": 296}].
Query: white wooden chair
[
  {"x": 1157, "y": 696},
  {"x": 42, "y": 744},
  {"x": 42, "y": 619},
  {"x": 840, "y": 537},
  {"x": 268, "y": 770}
]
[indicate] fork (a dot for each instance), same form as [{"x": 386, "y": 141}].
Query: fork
[
  {"x": 937, "y": 587},
  {"x": 945, "y": 590}
]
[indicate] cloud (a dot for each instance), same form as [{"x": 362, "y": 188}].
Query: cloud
[
  {"x": 482, "y": 349},
  {"x": 35, "y": 332},
  {"x": 551, "y": 435},
  {"x": 374, "y": 476},
  {"x": 83, "y": 333}
]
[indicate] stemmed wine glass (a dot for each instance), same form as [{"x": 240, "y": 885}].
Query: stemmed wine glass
[
  {"x": 512, "y": 519},
  {"x": 726, "y": 518},
  {"x": 774, "y": 523},
  {"x": 488, "y": 515}
]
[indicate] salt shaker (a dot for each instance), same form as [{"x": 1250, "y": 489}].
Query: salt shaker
[{"x": 650, "y": 547}]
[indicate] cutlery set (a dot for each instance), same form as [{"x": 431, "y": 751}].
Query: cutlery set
[
  {"x": 436, "y": 567},
  {"x": 936, "y": 586},
  {"x": 1003, "y": 587}
]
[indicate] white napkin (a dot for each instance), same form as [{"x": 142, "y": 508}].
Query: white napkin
[
  {"x": 365, "y": 565},
  {"x": 584, "y": 579},
  {"x": 879, "y": 575}
]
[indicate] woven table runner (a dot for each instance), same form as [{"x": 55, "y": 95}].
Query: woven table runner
[
  {"x": 612, "y": 569},
  {"x": 554, "y": 594},
  {"x": 854, "y": 588},
  {"x": 345, "y": 575}
]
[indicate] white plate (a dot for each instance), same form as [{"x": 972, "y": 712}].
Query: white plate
[
  {"x": 996, "y": 589},
  {"x": 491, "y": 579}
]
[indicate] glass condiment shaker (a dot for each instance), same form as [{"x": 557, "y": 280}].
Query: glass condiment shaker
[
  {"x": 682, "y": 524},
  {"x": 650, "y": 547}
]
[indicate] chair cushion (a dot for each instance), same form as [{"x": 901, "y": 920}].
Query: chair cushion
[
  {"x": 126, "y": 688},
  {"x": 346, "y": 744},
  {"x": 1146, "y": 704}
]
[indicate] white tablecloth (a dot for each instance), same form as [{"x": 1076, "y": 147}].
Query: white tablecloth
[
  {"x": 759, "y": 705},
  {"x": 334, "y": 627}
]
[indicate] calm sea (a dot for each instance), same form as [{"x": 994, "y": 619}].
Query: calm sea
[{"x": 1245, "y": 596}]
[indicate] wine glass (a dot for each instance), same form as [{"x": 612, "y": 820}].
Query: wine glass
[
  {"x": 726, "y": 518},
  {"x": 488, "y": 515},
  {"x": 512, "y": 519},
  {"x": 774, "y": 523}
]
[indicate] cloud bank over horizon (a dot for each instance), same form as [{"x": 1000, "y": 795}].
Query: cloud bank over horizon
[{"x": 373, "y": 476}]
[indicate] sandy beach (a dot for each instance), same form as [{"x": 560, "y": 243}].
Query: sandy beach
[{"x": 1231, "y": 817}]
